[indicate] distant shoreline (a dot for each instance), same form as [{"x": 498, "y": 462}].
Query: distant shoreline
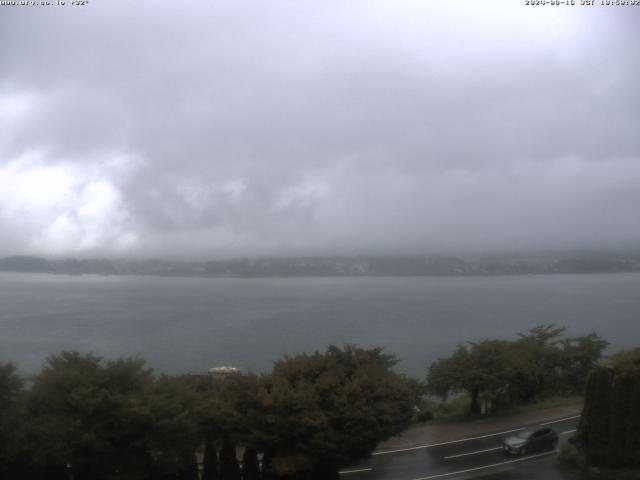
[{"x": 328, "y": 267}]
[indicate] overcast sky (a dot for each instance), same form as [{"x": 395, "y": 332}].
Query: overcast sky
[{"x": 233, "y": 128}]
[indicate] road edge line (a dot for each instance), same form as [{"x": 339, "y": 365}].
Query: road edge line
[
  {"x": 467, "y": 439},
  {"x": 472, "y": 453},
  {"x": 357, "y": 470},
  {"x": 484, "y": 467}
]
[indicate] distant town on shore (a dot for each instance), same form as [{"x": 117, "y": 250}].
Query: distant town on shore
[{"x": 334, "y": 266}]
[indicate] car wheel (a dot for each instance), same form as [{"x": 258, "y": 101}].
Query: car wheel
[{"x": 523, "y": 451}]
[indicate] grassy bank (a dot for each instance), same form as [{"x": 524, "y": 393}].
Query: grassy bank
[{"x": 457, "y": 408}]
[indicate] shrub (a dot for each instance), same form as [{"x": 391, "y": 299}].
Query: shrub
[{"x": 424, "y": 416}]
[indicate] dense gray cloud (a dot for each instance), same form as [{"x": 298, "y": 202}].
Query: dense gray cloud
[{"x": 245, "y": 128}]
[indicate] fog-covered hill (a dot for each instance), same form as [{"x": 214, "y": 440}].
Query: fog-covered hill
[{"x": 330, "y": 266}]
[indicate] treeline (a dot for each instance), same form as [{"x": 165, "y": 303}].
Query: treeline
[
  {"x": 82, "y": 417},
  {"x": 609, "y": 430},
  {"x": 499, "y": 373},
  {"x": 85, "y": 418},
  {"x": 330, "y": 266}
]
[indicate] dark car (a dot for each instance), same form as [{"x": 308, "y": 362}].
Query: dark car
[{"x": 530, "y": 440}]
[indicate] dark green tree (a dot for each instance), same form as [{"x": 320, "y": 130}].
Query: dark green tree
[
  {"x": 210, "y": 460},
  {"x": 325, "y": 410},
  {"x": 102, "y": 420},
  {"x": 579, "y": 356},
  {"x": 608, "y": 430},
  {"x": 267, "y": 471},
  {"x": 632, "y": 447},
  {"x": 538, "y": 360},
  {"x": 11, "y": 421},
  {"x": 621, "y": 392},
  {"x": 229, "y": 468},
  {"x": 500, "y": 372},
  {"x": 594, "y": 424},
  {"x": 173, "y": 434},
  {"x": 188, "y": 466},
  {"x": 445, "y": 375},
  {"x": 89, "y": 415},
  {"x": 627, "y": 367},
  {"x": 250, "y": 467},
  {"x": 483, "y": 370},
  {"x": 228, "y": 412}
]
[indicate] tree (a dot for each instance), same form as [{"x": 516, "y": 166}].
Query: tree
[
  {"x": 11, "y": 386},
  {"x": 105, "y": 419},
  {"x": 188, "y": 466},
  {"x": 632, "y": 448},
  {"x": 621, "y": 393},
  {"x": 210, "y": 460},
  {"x": 173, "y": 433},
  {"x": 11, "y": 420},
  {"x": 250, "y": 466},
  {"x": 482, "y": 370},
  {"x": 267, "y": 471},
  {"x": 228, "y": 412},
  {"x": 501, "y": 372},
  {"x": 580, "y": 356},
  {"x": 539, "y": 361},
  {"x": 325, "y": 410},
  {"x": 627, "y": 366},
  {"x": 594, "y": 424},
  {"x": 445, "y": 375},
  {"x": 229, "y": 468},
  {"x": 89, "y": 415},
  {"x": 608, "y": 429}
]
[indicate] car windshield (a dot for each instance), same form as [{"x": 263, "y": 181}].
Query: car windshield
[{"x": 524, "y": 434}]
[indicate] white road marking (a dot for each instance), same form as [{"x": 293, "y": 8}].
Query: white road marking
[
  {"x": 431, "y": 445},
  {"x": 345, "y": 472},
  {"x": 569, "y": 431},
  {"x": 472, "y": 453},
  {"x": 440, "y": 475},
  {"x": 561, "y": 420}
]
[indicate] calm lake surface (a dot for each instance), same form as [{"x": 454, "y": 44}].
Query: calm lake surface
[{"x": 185, "y": 324}]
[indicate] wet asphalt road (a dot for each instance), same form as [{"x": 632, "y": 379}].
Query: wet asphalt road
[{"x": 476, "y": 457}]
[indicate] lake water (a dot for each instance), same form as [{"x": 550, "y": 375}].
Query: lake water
[{"x": 185, "y": 324}]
